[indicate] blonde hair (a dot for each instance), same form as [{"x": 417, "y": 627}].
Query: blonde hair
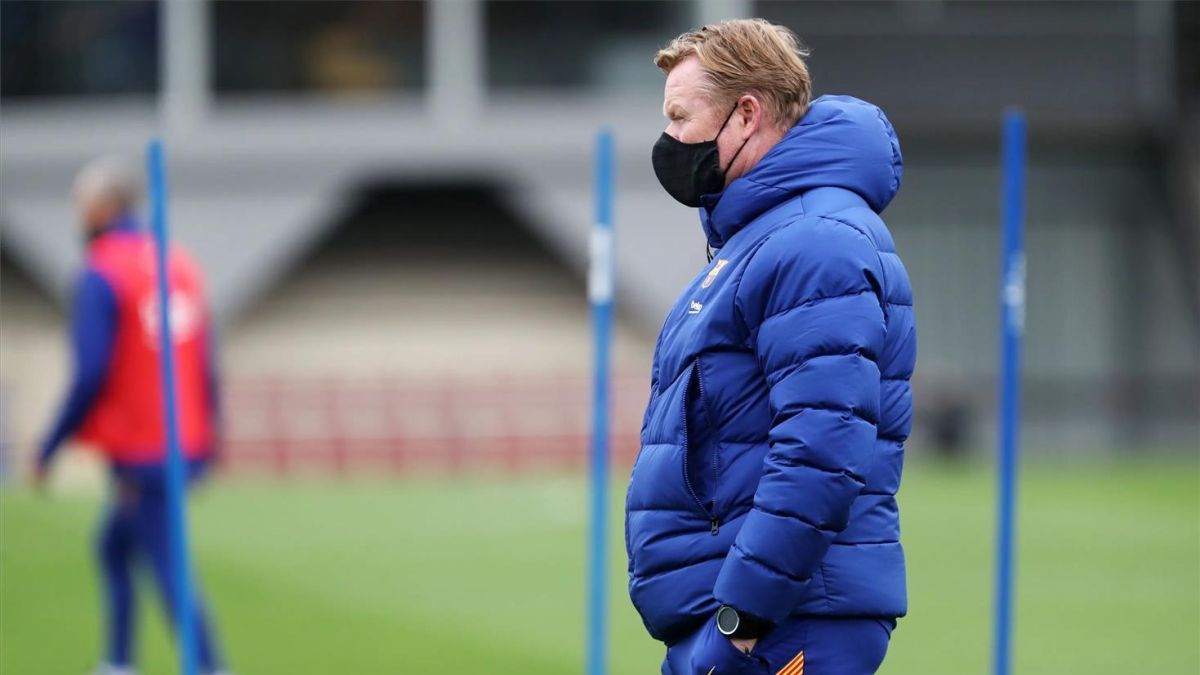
[
  {"x": 108, "y": 177},
  {"x": 744, "y": 56}
]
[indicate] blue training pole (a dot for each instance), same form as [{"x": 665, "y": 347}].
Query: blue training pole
[
  {"x": 1012, "y": 328},
  {"x": 175, "y": 474},
  {"x": 600, "y": 294}
]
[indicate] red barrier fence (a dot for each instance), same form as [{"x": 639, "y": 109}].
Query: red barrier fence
[{"x": 508, "y": 423}]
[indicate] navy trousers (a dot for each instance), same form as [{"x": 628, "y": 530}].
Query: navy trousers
[
  {"x": 134, "y": 531},
  {"x": 798, "y": 645}
]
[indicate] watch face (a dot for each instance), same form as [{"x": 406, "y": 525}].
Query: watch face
[{"x": 727, "y": 620}]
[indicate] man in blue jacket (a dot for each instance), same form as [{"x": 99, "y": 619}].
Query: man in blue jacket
[{"x": 761, "y": 521}]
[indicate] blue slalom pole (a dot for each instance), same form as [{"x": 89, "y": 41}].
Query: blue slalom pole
[
  {"x": 1012, "y": 328},
  {"x": 175, "y": 475},
  {"x": 600, "y": 295}
]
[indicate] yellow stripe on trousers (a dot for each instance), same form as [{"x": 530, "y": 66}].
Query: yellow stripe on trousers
[{"x": 794, "y": 667}]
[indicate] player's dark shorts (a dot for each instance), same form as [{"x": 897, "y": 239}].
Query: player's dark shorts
[{"x": 798, "y": 645}]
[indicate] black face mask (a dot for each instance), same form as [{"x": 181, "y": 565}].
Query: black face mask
[{"x": 689, "y": 170}]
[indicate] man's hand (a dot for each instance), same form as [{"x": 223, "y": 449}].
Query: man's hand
[{"x": 744, "y": 645}]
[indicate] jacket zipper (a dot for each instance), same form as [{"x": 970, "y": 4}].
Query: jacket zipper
[{"x": 715, "y": 524}]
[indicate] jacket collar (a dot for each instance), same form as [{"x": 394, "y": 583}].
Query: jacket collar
[{"x": 840, "y": 142}]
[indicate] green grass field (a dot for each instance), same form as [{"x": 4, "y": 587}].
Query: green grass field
[{"x": 437, "y": 575}]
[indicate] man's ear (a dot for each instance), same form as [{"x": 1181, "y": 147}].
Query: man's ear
[{"x": 750, "y": 110}]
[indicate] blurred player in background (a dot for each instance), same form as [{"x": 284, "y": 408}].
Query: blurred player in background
[{"x": 115, "y": 398}]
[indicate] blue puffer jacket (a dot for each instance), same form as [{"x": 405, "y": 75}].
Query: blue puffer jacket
[{"x": 773, "y": 440}]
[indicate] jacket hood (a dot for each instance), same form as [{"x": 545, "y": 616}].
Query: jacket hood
[{"x": 840, "y": 142}]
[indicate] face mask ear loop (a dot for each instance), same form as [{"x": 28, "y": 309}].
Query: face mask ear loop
[
  {"x": 726, "y": 122},
  {"x": 739, "y": 150}
]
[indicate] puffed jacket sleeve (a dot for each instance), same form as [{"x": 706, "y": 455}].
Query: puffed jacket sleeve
[{"x": 811, "y": 301}]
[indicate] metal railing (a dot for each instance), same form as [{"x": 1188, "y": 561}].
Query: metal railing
[{"x": 342, "y": 425}]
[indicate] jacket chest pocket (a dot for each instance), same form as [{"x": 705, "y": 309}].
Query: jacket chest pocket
[
  {"x": 678, "y": 465},
  {"x": 701, "y": 457}
]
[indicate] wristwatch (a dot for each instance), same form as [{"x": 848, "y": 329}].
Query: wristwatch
[{"x": 734, "y": 624}]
